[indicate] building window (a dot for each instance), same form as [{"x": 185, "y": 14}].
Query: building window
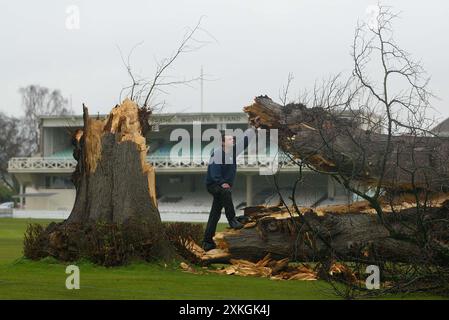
[
  {"x": 176, "y": 179},
  {"x": 58, "y": 182}
]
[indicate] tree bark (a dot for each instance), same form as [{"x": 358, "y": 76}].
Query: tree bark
[
  {"x": 337, "y": 145},
  {"x": 347, "y": 233}
]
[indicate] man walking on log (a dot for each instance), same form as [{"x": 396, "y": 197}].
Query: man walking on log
[{"x": 220, "y": 177}]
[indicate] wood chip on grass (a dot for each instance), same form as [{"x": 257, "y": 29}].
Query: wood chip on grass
[{"x": 268, "y": 268}]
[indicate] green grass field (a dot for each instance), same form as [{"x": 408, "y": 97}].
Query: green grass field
[{"x": 24, "y": 279}]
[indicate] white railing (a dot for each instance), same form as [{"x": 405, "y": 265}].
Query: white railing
[
  {"x": 198, "y": 162},
  {"x": 35, "y": 164},
  {"x": 6, "y": 212}
]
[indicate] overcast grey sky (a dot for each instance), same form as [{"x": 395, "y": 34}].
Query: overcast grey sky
[{"x": 258, "y": 43}]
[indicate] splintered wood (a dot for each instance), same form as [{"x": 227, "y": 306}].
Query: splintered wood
[
  {"x": 278, "y": 270},
  {"x": 269, "y": 268},
  {"x": 123, "y": 121},
  {"x": 201, "y": 256}
]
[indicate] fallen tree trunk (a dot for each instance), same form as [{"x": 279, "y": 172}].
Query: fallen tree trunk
[
  {"x": 353, "y": 232},
  {"x": 334, "y": 143},
  {"x": 344, "y": 232}
]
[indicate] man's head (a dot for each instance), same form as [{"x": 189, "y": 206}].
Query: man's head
[{"x": 227, "y": 141}]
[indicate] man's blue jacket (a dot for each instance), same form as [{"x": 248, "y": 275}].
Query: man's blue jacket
[{"x": 222, "y": 166}]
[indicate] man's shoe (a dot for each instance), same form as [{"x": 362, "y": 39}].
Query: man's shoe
[
  {"x": 208, "y": 246},
  {"x": 242, "y": 219},
  {"x": 234, "y": 224}
]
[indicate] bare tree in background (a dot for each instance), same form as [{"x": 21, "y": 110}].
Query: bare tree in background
[
  {"x": 144, "y": 90},
  {"x": 394, "y": 155},
  {"x": 374, "y": 125},
  {"x": 371, "y": 134},
  {"x": 38, "y": 101},
  {"x": 10, "y": 146}
]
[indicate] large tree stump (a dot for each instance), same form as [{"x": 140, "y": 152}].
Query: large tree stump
[
  {"x": 113, "y": 180},
  {"x": 115, "y": 217}
]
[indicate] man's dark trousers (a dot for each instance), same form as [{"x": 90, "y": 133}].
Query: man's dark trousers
[{"x": 222, "y": 198}]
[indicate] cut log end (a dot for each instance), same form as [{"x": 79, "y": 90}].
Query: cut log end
[{"x": 328, "y": 142}]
